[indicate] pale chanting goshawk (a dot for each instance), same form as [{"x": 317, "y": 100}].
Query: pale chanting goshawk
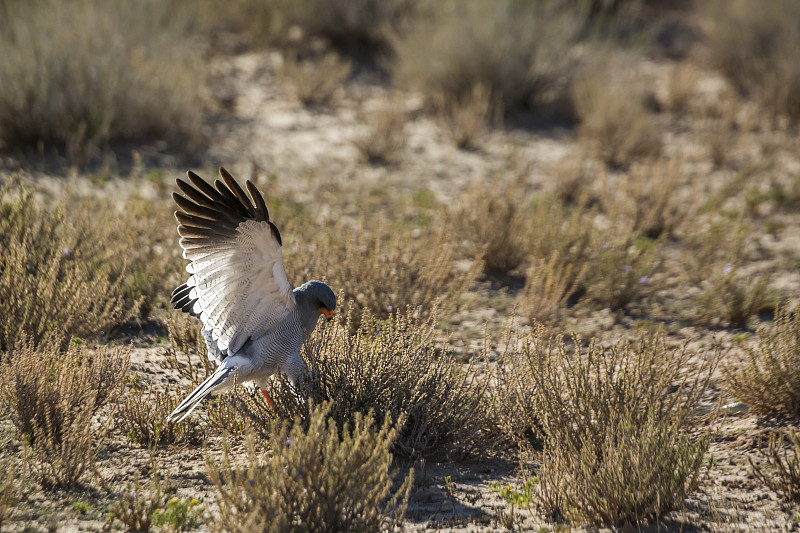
[{"x": 254, "y": 323}]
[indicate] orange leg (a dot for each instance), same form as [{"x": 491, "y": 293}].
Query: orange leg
[{"x": 269, "y": 400}]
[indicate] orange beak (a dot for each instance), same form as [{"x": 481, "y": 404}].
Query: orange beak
[{"x": 326, "y": 313}]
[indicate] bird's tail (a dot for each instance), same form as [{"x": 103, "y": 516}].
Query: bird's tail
[{"x": 215, "y": 381}]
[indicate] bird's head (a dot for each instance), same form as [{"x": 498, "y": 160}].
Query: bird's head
[{"x": 315, "y": 298}]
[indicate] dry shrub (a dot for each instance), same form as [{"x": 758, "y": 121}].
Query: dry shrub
[
  {"x": 571, "y": 255},
  {"x": 490, "y": 220},
  {"x": 313, "y": 81},
  {"x": 187, "y": 352},
  {"x": 755, "y": 44},
  {"x": 79, "y": 73},
  {"x": 623, "y": 265},
  {"x": 609, "y": 101},
  {"x": 727, "y": 297},
  {"x": 145, "y": 234},
  {"x": 380, "y": 266},
  {"x": 767, "y": 378},
  {"x": 466, "y": 117},
  {"x": 572, "y": 180},
  {"x": 188, "y": 356},
  {"x": 142, "y": 417},
  {"x": 518, "y": 52},
  {"x": 783, "y": 474},
  {"x": 137, "y": 504},
  {"x": 646, "y": 197},
  {"x": 612, "y": 417},
  {"x": 357, "y": 26},
  {"x": 57, "y": 271},
  {"x": 394, "y": 368},
  {"x": 682, "y": 87},
  {"x": 53, "y": 396},
  {"x": 318, "y": 478},
  {"x": 561, "y": 240},
  {"x": 10, "y": 490},
  {"x": 549, "y": 284},
  {"x": 385, "y": 140},
  {"x": 732, "y": 300}
]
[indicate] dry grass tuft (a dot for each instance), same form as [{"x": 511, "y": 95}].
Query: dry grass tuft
[
  {"x": 549, "y": 284},
  {"x": 384, "y": 142},
  {"x": 622, "y": 266},
  {"x": 467, "y": 117},
  {"x": 53, "y": 397},
  {"x": 767, "y": 378},
  {"x": 755, "y": 45},
  {"x": 358, "y": 27},
  {"x": 783, "y": 474},
  {"x": 612, "y": 418},
  {"x": 518, "y": 52},
  {"x": 316, "y": 478},
  {"x": 57, "y": 271},
  {"x": 10, "y": 490},
  {"x": 80, "y": 73},
  {"x": 726, "y": 296},
  {"x": 646, "y": 198},
  {"x": 187, "y": 352},
  {"x": 142, "y": 417},
  {"x": 491, "y": 221},
  {"x": 609, "y": 100},
  {"x": 394, "y": 368},
  {"x": 313, "y": 81},
  {"x": 187, "y": 355},
  {"x": 382, "y": 267}
]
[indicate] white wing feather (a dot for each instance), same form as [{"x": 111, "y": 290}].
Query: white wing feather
[{"x": 241, "y": 288}]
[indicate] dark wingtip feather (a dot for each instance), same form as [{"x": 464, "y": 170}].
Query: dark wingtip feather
[
  {"x": 276, "y": 233},
  {"x": 237, "y": 191},
  {"x": 261, "y": 211}
]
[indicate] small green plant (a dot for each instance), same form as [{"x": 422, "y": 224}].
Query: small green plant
[
  {"x": 81, "y": 507},
  {"x": 179, "y": 515},
  {"x": 318, "y": 478},
  {"x": 515, "y": 500},
  {"x": 767, "y": 376},
  {"x": 523, "y": 496},
  {"x": 783, "y": 473},
  {"x": 137, "y": 504}
]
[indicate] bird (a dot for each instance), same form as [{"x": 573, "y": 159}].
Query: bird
[{"x": 253, "y": 322}]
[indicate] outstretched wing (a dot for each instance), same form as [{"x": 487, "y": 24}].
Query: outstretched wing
[{"x": 238, "y": 286}]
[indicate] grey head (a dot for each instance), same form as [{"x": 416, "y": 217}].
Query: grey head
[{"x": 314, "y": 298}]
